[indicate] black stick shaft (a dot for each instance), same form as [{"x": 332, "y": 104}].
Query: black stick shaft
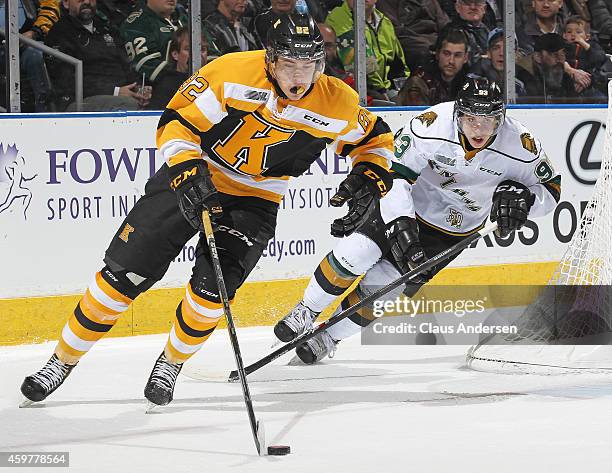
[
  {"x": 231, "y": 328},
  {"x": 430, "y": 263}
]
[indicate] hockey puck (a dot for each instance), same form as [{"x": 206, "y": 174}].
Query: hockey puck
[{"x": 279, "y": 450}]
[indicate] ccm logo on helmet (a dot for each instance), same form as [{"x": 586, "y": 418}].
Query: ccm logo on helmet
[{"x": 302, "y": 45}]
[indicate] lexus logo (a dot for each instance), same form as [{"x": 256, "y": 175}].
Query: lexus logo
[{"x": 581, "y": 141}]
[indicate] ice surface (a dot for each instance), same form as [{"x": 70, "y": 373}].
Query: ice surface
[{"x": 370, "y": 409}]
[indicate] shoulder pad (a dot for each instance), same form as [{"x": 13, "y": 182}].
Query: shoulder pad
[
  {"x": 529, "y": 143},
  {"x": 427, "y": 118},
  {"x": 516, "y": 142},
  {"x": 433, "y": 122}
]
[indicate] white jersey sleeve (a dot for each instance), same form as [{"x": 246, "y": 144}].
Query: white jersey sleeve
[
  {"x": 538, "y": 175},
  {"x": 411, "y": 156}
]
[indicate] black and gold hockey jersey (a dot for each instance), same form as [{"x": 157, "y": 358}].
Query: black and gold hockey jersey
[{"x": 253, "y": 140}]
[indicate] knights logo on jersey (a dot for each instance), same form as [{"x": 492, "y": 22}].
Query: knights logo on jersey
[
  {"x": 455, "y": 218},
  {"x": 427, "y": 118},
  {"x": 529, "y": 143},
  {"x": 247, "y": 147},
  {"x": 125, "y": 233}
]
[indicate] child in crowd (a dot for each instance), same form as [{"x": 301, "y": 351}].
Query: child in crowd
[{"x": 582, "y": 52}]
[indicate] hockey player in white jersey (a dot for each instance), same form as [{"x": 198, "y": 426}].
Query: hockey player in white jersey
[{"x": 456, "y": 165}]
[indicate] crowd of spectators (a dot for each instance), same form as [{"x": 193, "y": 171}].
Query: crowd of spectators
[{"x": 135, "y": 53}]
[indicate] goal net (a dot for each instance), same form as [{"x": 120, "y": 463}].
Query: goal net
[{"x": 569, "y": 327}]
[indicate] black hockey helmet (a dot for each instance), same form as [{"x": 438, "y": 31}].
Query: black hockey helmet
[
  {"x": 480, "y": 97},
  {"x": 295, "y": 35}
]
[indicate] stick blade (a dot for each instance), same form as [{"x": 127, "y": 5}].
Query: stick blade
[
  {"x": 261, "y": 439},
  {"x": 206, "y": 374}
]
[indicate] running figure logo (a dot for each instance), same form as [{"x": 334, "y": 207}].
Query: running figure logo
[{"x": 12, "y": 169}]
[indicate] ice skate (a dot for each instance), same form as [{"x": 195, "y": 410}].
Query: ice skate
[
  {"x": 160, "y": 386},
  {"x": 317, "y": 348},
  {"x": 38, "y": 386},
  {"x": 295, "y": 323}
]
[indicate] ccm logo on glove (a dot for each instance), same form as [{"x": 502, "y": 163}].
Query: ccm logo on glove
[
  {"x": 377, "y": 181},
  {"x": 178, "y": 180}
]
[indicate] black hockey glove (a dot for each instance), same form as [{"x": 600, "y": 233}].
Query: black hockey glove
[
  {"x": 365, "y": 185},
  {"x": 407, "y": 251},
  {"x": 195, "y": 191},
  {"x": 511, "y": 204}
]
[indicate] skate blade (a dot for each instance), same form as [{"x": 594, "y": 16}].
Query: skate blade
[
  {"x": 152, "y": 408},
  {"x": 26, "y": 403},
  {"x": 295, "y": 361}
]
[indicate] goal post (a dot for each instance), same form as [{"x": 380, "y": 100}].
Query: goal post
[{"x": 543, "y": 343}]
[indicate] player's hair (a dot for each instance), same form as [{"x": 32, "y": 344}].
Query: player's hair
[
  {"x": 452, "y": 35},
  {"x": 578, "y": 20}
]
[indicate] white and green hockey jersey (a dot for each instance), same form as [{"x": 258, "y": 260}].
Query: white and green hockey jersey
[{"x": 445, "y": 185}]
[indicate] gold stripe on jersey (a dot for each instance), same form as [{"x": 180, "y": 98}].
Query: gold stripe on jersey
[
  {"x": 177, "y": 131},
  {"x": 554, "y": 187},
  {"x": 369, "y": 140},
  {"x": 447, "y": 232}
]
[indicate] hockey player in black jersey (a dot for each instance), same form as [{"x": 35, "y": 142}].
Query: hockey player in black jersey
[{"x": 232, "y": 136}]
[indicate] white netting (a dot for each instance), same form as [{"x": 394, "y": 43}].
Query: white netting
[{"x": 586, "y": 309}]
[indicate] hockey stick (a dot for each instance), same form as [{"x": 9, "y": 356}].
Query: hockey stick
[
  {"x": 430, "y": 263},
  {"x": 256, "y": 427}
]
